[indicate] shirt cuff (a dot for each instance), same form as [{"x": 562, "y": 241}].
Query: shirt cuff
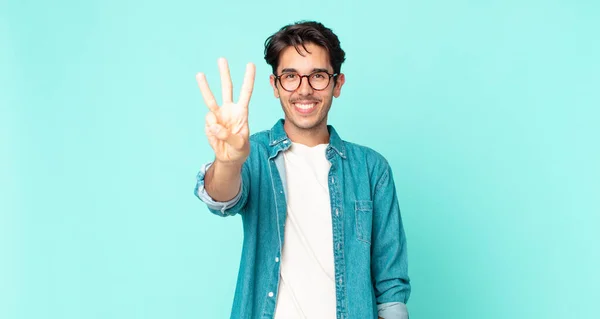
[
  {"x": 201, "y": 193},
  {"x": 392, "y": 310}
]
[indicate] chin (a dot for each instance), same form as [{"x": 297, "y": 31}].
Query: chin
[{"x": 306, "y": 123}]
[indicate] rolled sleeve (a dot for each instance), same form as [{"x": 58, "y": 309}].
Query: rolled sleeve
[
  {"x": 392, "y": 310},
  {"x": 212, "y": 204}
]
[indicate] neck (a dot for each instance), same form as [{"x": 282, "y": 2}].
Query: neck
[{"x": 309, "y": 137}]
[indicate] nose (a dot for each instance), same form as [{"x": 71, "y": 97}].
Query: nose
[{"x": 305, "y": 88}]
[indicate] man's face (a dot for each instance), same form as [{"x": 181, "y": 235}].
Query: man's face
[{"x": 306, "y": 108}]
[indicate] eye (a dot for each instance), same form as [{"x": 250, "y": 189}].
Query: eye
[
  {"x": 289, "y": 76},
  {"x": 319, "y": 76}
]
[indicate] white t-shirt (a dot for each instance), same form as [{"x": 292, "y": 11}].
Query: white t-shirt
[{"x": 307, "y": 273}]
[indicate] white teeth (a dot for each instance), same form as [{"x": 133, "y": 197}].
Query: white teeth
[{"x": 305, "y": 106}]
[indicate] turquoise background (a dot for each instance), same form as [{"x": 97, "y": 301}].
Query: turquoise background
[{"x": 487, "y": 111}]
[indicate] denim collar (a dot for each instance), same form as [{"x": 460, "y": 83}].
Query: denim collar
[{"x": 279, "y": 141}]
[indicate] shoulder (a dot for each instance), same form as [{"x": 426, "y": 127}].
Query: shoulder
[
  {"x": 373, "y": 163},
  {"x": 367, "y": 160},
  {"x": 361, "y": 152},
  {"x": 260, "y": 140},
  {"x": 259, "y": 145},
  {"x": 260, "y": 137}
]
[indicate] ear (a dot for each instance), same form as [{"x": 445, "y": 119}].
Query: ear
[
  {"x": 337, "y": 90},
  {"x": 274, "y": 85}
]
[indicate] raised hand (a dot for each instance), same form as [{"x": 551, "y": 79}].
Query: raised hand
[{"x": 227, "y": 125}]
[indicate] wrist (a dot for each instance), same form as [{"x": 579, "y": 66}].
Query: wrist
[{"x": 234, "y": 164}]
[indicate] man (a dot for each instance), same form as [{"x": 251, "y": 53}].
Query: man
[{"x": 323, "y": 236}]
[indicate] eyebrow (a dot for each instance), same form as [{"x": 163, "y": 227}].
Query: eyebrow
[{"x": 288, "y": 70}]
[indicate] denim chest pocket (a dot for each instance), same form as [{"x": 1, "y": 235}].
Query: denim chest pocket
[{"x": 364, "y": 220}]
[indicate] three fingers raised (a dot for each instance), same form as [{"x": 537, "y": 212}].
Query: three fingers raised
[{"x": 227, "y": 86}]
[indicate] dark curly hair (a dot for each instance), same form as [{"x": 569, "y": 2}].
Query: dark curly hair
[{"x": 300, "y": 33}]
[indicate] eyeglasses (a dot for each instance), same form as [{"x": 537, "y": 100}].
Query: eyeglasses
[{"x": 291, "y": 81}]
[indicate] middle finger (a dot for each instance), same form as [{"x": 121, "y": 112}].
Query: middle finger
[{"x": 226, "y": 85}]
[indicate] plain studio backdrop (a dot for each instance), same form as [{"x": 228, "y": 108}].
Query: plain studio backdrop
[{"x": 488, "y": 112}]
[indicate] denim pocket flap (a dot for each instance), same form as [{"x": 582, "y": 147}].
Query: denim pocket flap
[{"x": 363, "y": 205}]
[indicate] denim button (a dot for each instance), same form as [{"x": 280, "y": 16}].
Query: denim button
[
  {"x": 276, "y": 259},
  {"x": 337, "y": 212},
  {"x": 271, "y": 294}
]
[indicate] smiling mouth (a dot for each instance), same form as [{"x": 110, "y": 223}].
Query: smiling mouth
[{"x": 305, "y": 106}]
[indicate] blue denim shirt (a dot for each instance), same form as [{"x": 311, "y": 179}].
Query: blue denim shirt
[{"x": 369, "y": 244}]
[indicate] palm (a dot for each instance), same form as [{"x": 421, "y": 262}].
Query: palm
[
  {"x": 233, "y": 118},
  {"x": 227, "y": 125}
]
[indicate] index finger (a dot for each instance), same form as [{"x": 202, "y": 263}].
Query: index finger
[
  {"x": 226, "y": 85},
  {"x": 248, "y": 85},
  {"x": 209, "y": 98}
]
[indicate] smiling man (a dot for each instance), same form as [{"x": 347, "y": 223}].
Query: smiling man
[{"x": 323, "y": 235}]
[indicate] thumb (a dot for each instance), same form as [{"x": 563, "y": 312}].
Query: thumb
[{"x": 223, "y": 134}]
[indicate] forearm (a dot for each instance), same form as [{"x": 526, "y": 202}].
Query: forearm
[{"x": 222, "y": 180}]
